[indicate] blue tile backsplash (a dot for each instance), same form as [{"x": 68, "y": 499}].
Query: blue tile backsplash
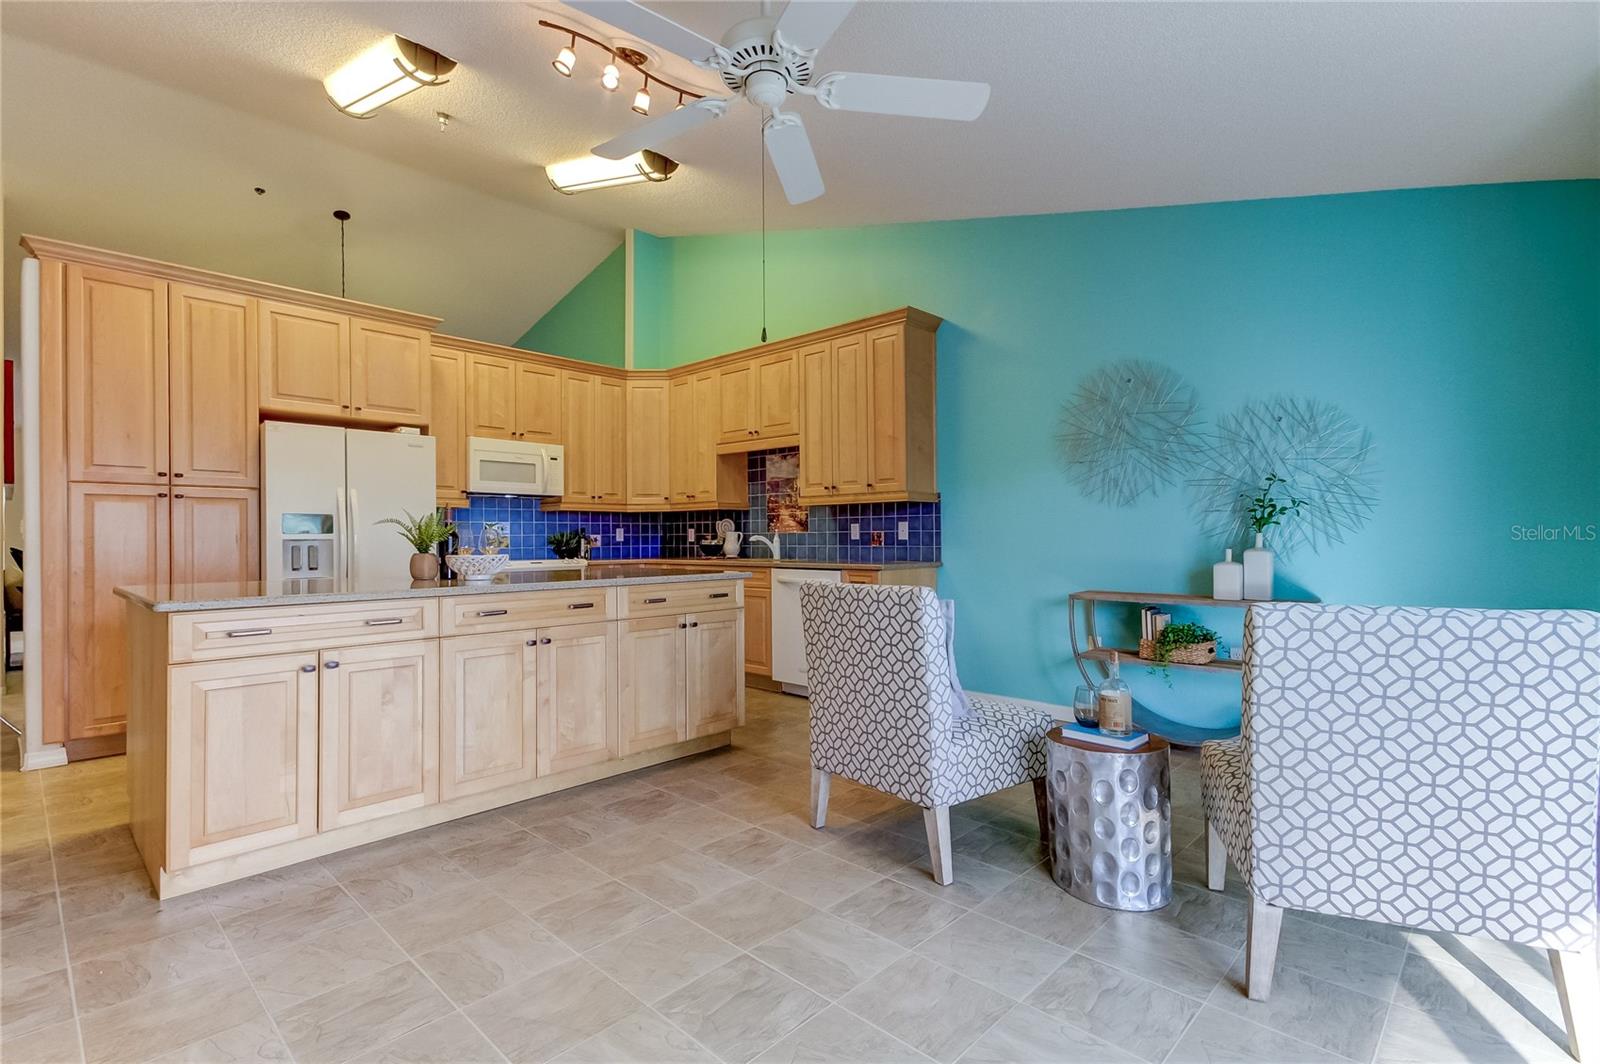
[{"x": 665, "y": 535}]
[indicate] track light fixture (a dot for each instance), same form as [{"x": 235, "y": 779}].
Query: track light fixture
[
  {"x": 641, "y": 99},
  {"x": 566, "y": 62},
  {"x": 566, "y": 59},
  {"x": 610, "y": 77}
]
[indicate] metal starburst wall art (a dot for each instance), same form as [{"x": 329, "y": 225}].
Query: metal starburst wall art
[{"x": 1129, "y": 430}]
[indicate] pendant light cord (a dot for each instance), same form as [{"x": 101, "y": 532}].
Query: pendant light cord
[
  {"x": 341, "y": 258},
  {"x": 761, "y": 161}
]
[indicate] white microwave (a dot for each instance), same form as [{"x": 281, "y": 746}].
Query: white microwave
[{"x": 513, "y": 467}]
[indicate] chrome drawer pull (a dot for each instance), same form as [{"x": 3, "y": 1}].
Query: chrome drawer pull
[
  {"x": 720, "y": 594},
  {"x": 331, "y": 665},
  {"x": 490, "y": 613},
  {"x": 308, "y": 668},
  {"x": 378, "y": 622},
  {"x": 653, "y": 601},
  {"x": 580, "y": 605},
  {"x": 241, "y": 633}
]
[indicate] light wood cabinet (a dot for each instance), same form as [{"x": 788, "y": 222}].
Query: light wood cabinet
[
  {"x": 116, "y": 372},
  {"x": 817, "y": 420},
  {"x": 215, "y": 535},
  {"x": 654, "y": 696},
  {"x": 538, "y": 414},
  {"x": 379, "y": 752},
  {"x": 390, "y": 375},
  {"x": 758, "y": 400},
  {"x": 609, "y": 442},
  {"x": 649, "y": 444},
  {"x": 681, "y": 433},
  {"x": 852, "y": 417},
  {"x": 492, "y": 397},
  {"x": 578, "y": 401},
  {"x": 700, "y": 478},
  {"x": 714, "y": 671},
  {"x": 758, "y": 630},
  {"x": 305, "y": 361},
  {"x": 214, "y": 387},
  {"x": 448, "y": 425},
  {"x": 488, "y": 720},
  {"x": 121, "y": 535},
  {"x": 243, "y": 749},
  {"x": 887, "y": 445},
  {"x": 577, "y": 696},
  {"x": 736, "y": 402}
]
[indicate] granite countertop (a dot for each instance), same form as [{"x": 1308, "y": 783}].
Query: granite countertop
[
  {"x": 786, "y": 563},
  {"x": 184, "y": 597}
]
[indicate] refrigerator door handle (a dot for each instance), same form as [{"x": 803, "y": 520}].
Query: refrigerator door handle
[
  {"x": 341, "y": 534},
  {"x": 355, "y": 544}
]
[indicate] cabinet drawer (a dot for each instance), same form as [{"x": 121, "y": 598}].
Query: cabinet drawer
[
  {"x": 469, "y": 614},
  {"x": 244, "y": 633},
  {"x": 646, "y": 600}
]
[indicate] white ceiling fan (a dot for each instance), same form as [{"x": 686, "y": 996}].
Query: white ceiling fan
[{"x": 764, "y": 60}]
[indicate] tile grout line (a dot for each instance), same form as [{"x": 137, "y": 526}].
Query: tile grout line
[
  {"x": 249, "y": 979},
  {"x": 61, "y": 916}
]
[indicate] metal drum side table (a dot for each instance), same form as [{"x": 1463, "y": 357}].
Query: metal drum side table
[{"x": 1111, "y": 815}]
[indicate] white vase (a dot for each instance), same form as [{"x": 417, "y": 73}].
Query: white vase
[
  {"x": 1227, "y": 578},
  {"x": 1258, "y": 571}
]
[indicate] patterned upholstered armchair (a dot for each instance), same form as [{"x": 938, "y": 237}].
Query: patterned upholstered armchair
[
  {"x": 882, "y": 715},
  {"x": 1434, "y": 768}
]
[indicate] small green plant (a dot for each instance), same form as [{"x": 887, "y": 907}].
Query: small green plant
[
  {"x": 1174, "y": 636},
  {"x": 569, "y": 544},
  {"x": 1265, "y": 511},
  {"x": 423, "y": 533}
]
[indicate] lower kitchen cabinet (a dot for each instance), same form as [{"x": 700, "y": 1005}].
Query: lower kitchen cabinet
[
  {"x": 380, "y": 731},
  {"x": 714, "y": 664},
  {"x": 242, "y": 751},
  {"x": 758, "y": 630},
  {"x": 488, "y": 721},
  {"x": 577, "y": 696},
  {"x": 655, "y": 697}
]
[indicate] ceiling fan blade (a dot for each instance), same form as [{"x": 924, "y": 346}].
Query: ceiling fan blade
[
  {"x": 888, "y": 94},
  {"x": 658, "y": 131},
  {"x": 808, "y": 24},
  {"x": 792, "y": 157},
  {"x": 645, "y": 24}
]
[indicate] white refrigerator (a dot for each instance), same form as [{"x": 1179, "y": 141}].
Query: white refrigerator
[{"x": 325, "y": 490}]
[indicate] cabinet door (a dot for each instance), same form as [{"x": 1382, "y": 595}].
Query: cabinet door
[
  {"x": 886, "y": 402},
  {"x": 116, "y": 376},
  {"x": 538, "y": 415},
  {"x": 380, "y": 731},
  {"x": 390, "y": 376},
  {"x": 649, "y": 443},
  {"x": 758, "y": 630},
  {"x": 852, "y": 427},
  {"x": 704, "y": 469},
  {"x": 736, "y": 402},
  {"x": 654, "y": 710},
  {"x": 491, "y": 397},
  {"x": 120, "y": 536},
  {"x": 215, "y": 380},
  {"x": 682, "y": 431},
  {"x": 487, "y": 712},
  {"x": 215, "y": 536},
  {"x": 714, "y": 660},
  {"x": 305, "y": 360},
  {"x": 577, "y": 430},
  {"x": 448, "y": 425},
  {"x": 243, "y": 748},
  {"x": 577, "y": 694},
  {"x": 608, "y": 439},
  {"x": 817, "y": 419},
  {"x": 777, "y": 395}
]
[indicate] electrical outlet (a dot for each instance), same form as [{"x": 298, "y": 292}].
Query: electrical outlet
[
  {"x": 622, "y": 533},
  {"x": 690, "y": 537},
  {"x": 877, "y": 539},
  {"x": 855, "y": 529},
  {"x": 904, "y": 531}
]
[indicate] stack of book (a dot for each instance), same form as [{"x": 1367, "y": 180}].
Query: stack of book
[
  {"x": 1151, "y": 621},
  {"x": 1094, "y": 736}
]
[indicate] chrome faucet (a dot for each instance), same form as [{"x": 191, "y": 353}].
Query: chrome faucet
[{"x": 771, "y": 545}]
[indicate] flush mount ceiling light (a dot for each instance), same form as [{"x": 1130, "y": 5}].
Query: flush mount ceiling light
[
  {"x": 592, "y": 172},
  {"x": 384, "y": 73},
  {"x": 566, "y": 61}
]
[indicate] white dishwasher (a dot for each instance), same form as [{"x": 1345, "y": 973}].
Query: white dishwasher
[{"x": 788, "y": 640}]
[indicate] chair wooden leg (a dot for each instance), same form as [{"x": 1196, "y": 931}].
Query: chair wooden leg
[
  {"x": 937, "y": 821},
  {"x": 1216, "y": 859},
  {"x": 1578, "y": 984},
  {"x": 819, "y": 797},
  {"x": 1041, "y": 808},
  {"x": 1261, "y": 948}
]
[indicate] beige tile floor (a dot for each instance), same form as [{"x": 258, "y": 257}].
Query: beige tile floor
[{"x": 688, "y": 913}]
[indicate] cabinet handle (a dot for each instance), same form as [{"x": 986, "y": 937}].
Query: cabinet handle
[
  {"x": 161, "y": 495},
  {"x": 580, "y": 605},
  {"x": 242, "y": 633},
  {"x": 694, "y": 624},
  {"x": 331, "y": 665},
  {"x": 378, "y": 622},
  {"x": 545, "y": 641},
  {"x": 177, "y": 474},
  {"x": 653, "y": 601},
  {"x": 682, "y": 625},
  {"x": 159, "y": 473},
  {"x": 308, "y": 668},
  {"x": 490, "y": 613},
  {"x": 720, "y": 594},
  {"x": 533, "y": 642}
]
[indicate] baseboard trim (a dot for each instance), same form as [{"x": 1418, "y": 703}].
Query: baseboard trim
[{"x": 52, "y": 756}]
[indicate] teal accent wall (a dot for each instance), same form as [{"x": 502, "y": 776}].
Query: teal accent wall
[
  {"x": 1461, "y": 325},
  {"x": 588, "y": 322}
]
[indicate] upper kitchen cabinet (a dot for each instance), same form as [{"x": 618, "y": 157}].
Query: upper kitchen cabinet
[
  {"x": 390, "y": 379},
  {"x": 758, "y": 402},
  {"x": 448, "y": 424},
  {"x": 214, "y": 387},
  {"x": 594, "y": 432},
  {"x": 538, "y": 411},
  {"x": 317, "y": 363},
  {"x": 510, "y": 399},
  {"x": 700, "y": 478},
  {"x": 116, "y": 376},
  {"x": 649, "y": 444}
]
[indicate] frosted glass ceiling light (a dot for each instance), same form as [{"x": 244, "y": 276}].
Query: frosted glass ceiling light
[
  {"x": 641, "y": 99},
  {"x": 610, "y": 77},
  {"x": 384, "y": 73},
  {"x": 592, "y": 172},
  {"x": 566, "y": 59}
]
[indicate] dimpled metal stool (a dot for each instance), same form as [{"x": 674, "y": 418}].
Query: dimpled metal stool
[{"x": 1111, "y": 811}]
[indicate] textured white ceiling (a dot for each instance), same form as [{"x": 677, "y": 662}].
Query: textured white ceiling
[{"x": 1095, "y": 105}]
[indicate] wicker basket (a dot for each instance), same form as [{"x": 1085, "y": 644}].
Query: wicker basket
[{"x": 1193, "y": 654}]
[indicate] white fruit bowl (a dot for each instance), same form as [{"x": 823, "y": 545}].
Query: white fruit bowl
[{"x": 476, "y": 566}]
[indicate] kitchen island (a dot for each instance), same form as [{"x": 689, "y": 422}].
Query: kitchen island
[{"x": 270, "y": 724}]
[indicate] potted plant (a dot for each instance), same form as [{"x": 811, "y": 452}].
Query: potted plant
[
  {"x": 1186, "y": 643},
  {"x": 570, "y": 545},
  {"x": 424, "y": 534},
  {"x": 1263, "y": 511}
]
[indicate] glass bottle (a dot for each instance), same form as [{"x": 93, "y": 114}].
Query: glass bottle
[{"x": 1115, "y": 702}]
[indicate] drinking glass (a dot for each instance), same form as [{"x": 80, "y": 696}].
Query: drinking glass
[{"x": 1084, "y": 708}]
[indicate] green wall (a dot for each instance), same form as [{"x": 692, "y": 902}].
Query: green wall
[
  {"x": 1461, "y": 326},
  {"x": 588, "y": 322}
]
